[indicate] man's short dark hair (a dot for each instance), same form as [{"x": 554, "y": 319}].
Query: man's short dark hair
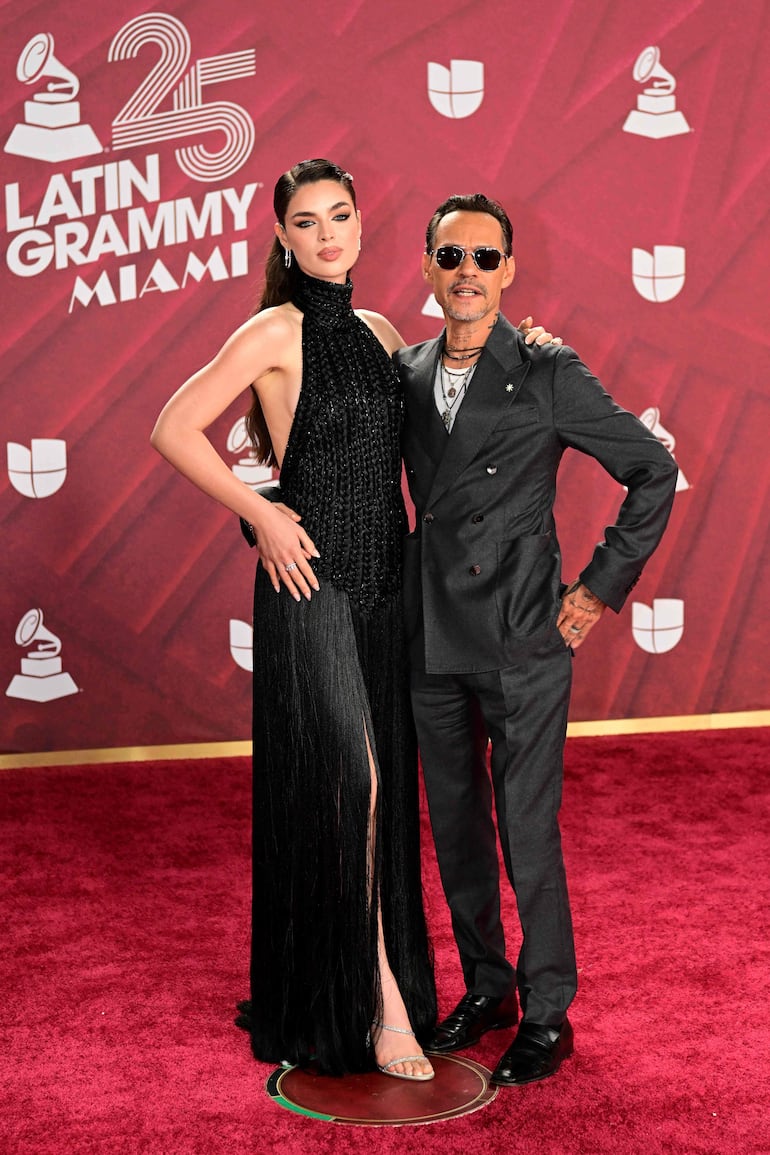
[{"x": 470, "y": 203}]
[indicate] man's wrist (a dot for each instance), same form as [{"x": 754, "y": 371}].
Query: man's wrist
[{"x": 582, "y": 599}]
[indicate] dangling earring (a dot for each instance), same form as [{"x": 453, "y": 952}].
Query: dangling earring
[{"x": 287, "y": 258}]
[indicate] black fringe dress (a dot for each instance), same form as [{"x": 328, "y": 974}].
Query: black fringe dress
[{"x": 329, "y": 672}]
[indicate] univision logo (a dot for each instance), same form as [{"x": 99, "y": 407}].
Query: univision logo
[
  {"x": 659, "y": 275},
  {"x": 40, "y": 470},
  {"x": 658, "y": 628},
  {"x": 457, "y": 91},
  {"x": 241, "y": 644}
]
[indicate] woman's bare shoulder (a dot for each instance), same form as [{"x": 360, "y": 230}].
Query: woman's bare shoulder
[
  {"x": 268, "y": 341},
  {"x": 383, "y": 330},
  {"x": 279, "y": 322},
  {"x": 268, "y": 335}
]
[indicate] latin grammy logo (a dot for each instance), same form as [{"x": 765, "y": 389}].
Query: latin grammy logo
[
  {"x": 51, "y": 130},
  {"x": 247, "y": 468},
  {"x": 651, "y": 418},
  {"x": 41, "y": 678},
  {"x": 656, "y": 114},
  {"x": 431, "y": 308}
]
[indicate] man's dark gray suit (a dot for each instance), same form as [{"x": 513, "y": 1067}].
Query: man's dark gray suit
[{"x": 483, "y": 589}]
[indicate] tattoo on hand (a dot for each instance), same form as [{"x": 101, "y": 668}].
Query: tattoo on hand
[{"x": 588, "y": 601}]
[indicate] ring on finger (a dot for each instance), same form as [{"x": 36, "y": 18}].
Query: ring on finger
[
  {"x": 575, "y": 629},
  {"x": 292, "y": 565}
]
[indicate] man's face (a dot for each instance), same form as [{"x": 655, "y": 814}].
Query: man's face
[{"x": 466, "y": 293}]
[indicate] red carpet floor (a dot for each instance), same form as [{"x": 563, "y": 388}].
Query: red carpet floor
[{"x": 124, "y": 913}]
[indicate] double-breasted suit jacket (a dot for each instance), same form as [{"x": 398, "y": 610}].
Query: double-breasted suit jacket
[{"x": 482, "y": 568}]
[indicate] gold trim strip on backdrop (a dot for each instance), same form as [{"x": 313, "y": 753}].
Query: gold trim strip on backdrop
[{"x": 243, "y": 749}]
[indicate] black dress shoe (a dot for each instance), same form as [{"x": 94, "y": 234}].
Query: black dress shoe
[
  {"x": 534, "y": 1054},
  {"x": 473, "y": 1016}
]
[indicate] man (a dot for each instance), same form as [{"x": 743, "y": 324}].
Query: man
[{"x": 492, "y": 628}]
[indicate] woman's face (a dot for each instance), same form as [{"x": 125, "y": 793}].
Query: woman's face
[{"x": 322, "y": 229}]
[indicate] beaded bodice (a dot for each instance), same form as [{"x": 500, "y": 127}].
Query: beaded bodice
[{"x": 342, "y": 466}]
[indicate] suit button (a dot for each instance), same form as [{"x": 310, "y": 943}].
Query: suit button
[
  {"x": 475, "y": 570},
  {"x": 428, "y": 518},
  {"x": 477, "y": 517},
  {"x": 491, "y": 470}
]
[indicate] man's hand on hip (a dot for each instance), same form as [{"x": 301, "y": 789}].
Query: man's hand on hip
[{"x": 580, "y": 611}]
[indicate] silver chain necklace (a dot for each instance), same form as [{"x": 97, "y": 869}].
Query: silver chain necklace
[{"x": 452, "y": 389}]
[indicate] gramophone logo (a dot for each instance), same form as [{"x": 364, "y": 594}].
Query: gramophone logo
[
  {"x": 41, "y": 678},
  {"x": 40, "y": 470},
  {"x": 659, "y": 275},
  {"x": 651, "y": 418},
  {"x": 241, "y": 643},
  {"x": 658, "y": 628},
  {"x": 247, "y": 468},
  {"x": 656, "y": 114},
  {"x": 51, "y": 130},
  {"x": 431, "y": 308},
  {"x": 456, "y": 91}
]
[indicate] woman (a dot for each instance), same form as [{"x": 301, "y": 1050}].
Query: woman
[
  {"x": 340, "y": 970},
  {"x": 338, "y": 929}
]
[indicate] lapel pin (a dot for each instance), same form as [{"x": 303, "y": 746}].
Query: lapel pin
[{"x": 509, "y": 387}]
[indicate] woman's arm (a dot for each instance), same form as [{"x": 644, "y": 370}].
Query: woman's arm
[
  {"x": 264, "y": 351},
  {"x": 536, "y": 334}
]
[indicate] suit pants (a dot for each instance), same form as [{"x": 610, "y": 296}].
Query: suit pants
[{"x": 523, "y": 711}]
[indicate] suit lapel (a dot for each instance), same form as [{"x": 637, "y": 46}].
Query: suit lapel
[
  {"x": 493, "y": 389},
  {"x": 427, "y": 426}
]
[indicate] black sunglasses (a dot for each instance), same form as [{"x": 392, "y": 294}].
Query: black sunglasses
[{"x": 452, "y": 256}]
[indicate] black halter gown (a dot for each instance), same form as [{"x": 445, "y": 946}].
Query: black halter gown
[{"x": 328, "y": 674}]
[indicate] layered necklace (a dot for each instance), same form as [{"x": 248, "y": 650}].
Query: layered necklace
[{"x": 454, "y": 385}]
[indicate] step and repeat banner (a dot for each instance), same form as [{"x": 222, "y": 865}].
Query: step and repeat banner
[{"x": 139, "y": 147}]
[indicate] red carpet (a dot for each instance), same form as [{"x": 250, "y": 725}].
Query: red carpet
[{"x": 125, "y": 917}]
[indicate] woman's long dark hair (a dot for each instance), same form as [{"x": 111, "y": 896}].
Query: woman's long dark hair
[{"x": 280, "y": 281}]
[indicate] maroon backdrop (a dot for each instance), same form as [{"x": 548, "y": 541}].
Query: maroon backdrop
[{"x": 136, "y": 216}]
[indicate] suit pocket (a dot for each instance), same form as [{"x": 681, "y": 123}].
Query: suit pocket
[
  {"x": 528, "y": 572},
  {"x": 517, "y": 416}
]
